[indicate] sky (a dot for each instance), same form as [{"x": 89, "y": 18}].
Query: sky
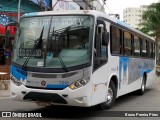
[{"x": 117, "y": 6}]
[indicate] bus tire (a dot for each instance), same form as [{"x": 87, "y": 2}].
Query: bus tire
[
  {"x": 111, "y": 97},
  {"x": 143, "y": 86}
]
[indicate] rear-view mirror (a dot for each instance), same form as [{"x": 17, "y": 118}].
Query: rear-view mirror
[{"x": 105, "y": 38}]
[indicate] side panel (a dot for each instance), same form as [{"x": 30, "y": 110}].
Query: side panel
[{"x": 131, "y": 71}]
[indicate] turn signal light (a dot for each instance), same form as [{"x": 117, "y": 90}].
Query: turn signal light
[{"x": 79, "y": 83}]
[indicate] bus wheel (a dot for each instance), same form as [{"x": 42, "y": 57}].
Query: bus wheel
[
  {"x": 143, "y": 87},
  {"x": 111, "y": 97}
]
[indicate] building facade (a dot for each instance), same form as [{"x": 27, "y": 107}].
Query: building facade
[
  {"x": 78, "y": 5},
  {"x": 133, "y": 16}
]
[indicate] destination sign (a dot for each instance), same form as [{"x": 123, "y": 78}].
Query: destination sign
[
  {"x": 28, "y": 52},
  {"x": 58, "y": 21}
]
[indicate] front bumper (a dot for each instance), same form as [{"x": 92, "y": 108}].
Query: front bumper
[{"x": 78, "y": 97}]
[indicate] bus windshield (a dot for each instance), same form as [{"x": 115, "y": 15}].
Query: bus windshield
[{"x": 53, "y": 41}]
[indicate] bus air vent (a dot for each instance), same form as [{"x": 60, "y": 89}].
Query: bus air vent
[
  {"x": 69, "y": 74},
  {"x": 44, "y": 75}
]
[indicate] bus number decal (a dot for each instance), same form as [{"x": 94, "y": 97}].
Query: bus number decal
[{"x": 64, "y": 82}]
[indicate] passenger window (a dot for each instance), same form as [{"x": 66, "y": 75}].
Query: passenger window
[
  {"x": 127, "y": 44},
  {"x": 148, "y": 48},
  {"x": 153, "y": 50},
  {"x": 116, "y": 41},
  {"x": 136, "y": 46},
  {"x": 144, "y": 51}
]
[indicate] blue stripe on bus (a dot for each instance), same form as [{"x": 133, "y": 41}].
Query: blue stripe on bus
[
  {"x": 18, "y": 73},
  {"x": 56, "y": 86},
  {"x": 122, "y": 23}
]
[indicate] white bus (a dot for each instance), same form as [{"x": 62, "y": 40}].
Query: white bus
[{"x": 79, "y": 58}]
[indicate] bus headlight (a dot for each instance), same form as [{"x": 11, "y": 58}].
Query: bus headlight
[
  {"x": 79, "y": 83},
  {"x": 15, "y": 81}
]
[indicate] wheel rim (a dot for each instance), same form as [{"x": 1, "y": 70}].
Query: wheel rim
[
  {"x": 143, "y": 86},
  {"x": 109, "y": 95}
]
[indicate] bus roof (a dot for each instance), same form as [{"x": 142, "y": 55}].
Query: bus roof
[{"x": 87, "y": 12}]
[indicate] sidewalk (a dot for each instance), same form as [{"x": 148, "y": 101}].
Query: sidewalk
[{"x": 5, "y": 93}]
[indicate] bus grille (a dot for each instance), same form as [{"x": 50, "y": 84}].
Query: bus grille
[
  {"x": 44, "y": 76},
  {"x": 45, "y": 88},
  {"x": 51, "y": 97},
  {"x": 35, "y": 75}
]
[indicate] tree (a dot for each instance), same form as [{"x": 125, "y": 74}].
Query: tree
[{"x": 151, "y": 24}]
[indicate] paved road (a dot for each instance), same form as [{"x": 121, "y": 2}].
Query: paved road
[{"x": 150, "y": 101}]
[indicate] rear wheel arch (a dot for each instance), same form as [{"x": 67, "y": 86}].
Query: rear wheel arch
[
  {"x": 145, "y": 77},
  {"x": 141, "y": 91}
]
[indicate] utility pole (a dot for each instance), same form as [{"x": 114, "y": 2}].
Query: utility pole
[{"x": 19, "y": 10}]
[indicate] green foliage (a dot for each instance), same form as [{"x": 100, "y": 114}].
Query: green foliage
[{"x": 151, "y": 20}]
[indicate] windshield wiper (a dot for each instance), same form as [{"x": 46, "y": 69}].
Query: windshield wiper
[
  {"x": 48, "y": 49},
  {"x": 37, "y": 44}
]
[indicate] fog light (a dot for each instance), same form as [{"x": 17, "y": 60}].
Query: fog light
[{"x": 81, "y": 99}]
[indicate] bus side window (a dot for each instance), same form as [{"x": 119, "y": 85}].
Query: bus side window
[
  {"x": 144, "y": 48},
  {"x": 116, "y": 47},
  {"x": 153, "y": 50},
  {"x": 100, "y": 49},
  {"x": 127, "y": 43},
  {"x": 136, "y": 46}
]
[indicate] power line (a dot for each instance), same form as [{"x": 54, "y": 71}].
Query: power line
[{"x": 108, "y": 8}]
